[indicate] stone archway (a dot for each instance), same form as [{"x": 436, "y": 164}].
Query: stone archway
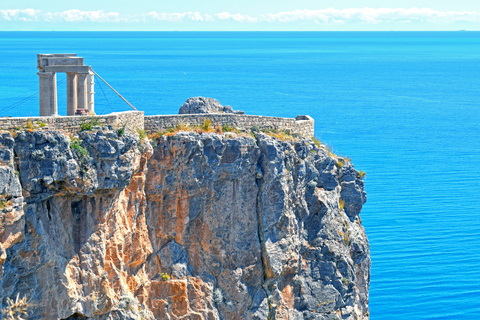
[{"x": 80, "y": 83}]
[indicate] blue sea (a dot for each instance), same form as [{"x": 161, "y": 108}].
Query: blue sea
[{"x": 405, "y": 106}]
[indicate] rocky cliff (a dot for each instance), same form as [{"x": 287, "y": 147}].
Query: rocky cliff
[{"x": 203, "y": 226}]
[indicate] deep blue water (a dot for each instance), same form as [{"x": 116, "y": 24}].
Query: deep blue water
[{"x": 403, "y": 105}]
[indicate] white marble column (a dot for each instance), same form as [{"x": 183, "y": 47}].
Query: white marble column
[
  {"x": 48, "y": 93},
  {"x": 82, "y": 100},
  {"x": 71, "y": 93},
  {"x": 91, "y": 92}
]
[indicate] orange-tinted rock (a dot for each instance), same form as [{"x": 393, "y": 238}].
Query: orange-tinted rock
[{"x": 203, "y": 227}]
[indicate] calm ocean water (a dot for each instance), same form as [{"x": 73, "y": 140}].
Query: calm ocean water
[{"x": 403, "y": 106}]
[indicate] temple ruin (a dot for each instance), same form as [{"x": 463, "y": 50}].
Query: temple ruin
[{"x": 80, "y": 84}]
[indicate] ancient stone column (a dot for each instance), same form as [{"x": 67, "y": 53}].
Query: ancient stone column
[
  {"x": 82, "y": 91},
  {"x": 48, "y": 93},
  {"x": 71, "y": 93},
  {"x": 91, "y": 92}
]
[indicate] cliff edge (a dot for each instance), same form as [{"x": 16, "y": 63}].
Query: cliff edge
[{"x": 203, "y": 226}]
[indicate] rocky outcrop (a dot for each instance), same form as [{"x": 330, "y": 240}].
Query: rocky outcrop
[
  {"x": 204, "y": 226},
  {"x": 205, "y": 105}
]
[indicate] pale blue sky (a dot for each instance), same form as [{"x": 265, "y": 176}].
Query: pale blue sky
[{"x": 240, "y": 15}]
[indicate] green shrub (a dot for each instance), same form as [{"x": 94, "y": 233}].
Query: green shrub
[
  {"x": 183, "y": 127},
  {"x": 142, "y": 134},
  {"x": 76, "y": 145},
  {"x": 207, "y": 124},
  {"x": 340, "y": 163},
  {"x": 227, "y": 128},
  {"x": 88, "y": 126},
  {"x": 29, "y": 124},
  {"x": 165, "y": 277},
  {"x": 361, "y": 174},
  {"x": 121, "y": 131},
  {"x": 317, "y": 142}
]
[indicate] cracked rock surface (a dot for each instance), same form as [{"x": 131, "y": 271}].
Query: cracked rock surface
[
  {"x": 197, "y": 105},
  {"x": 204, "y": 226}
]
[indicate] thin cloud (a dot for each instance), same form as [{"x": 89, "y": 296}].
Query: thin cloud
[
  {"x": 328, "y": 16},
  {"x": 236, "y": 17},
  {"x": 75, "y": 15},
  {"x": 175, "y": 17},
  {"x": 371, "y": 16}
]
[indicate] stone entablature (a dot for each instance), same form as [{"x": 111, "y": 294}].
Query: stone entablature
[
  {"x": 135, "y": 120},
  {"x": 80, "y": 83}
]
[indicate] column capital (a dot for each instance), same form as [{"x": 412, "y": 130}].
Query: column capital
[{"x": 45, "y": 74}]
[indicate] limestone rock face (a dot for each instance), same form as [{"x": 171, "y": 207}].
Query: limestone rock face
[
  {"x": 204, "y": 226},
  {"x": 205, "y": 105}
]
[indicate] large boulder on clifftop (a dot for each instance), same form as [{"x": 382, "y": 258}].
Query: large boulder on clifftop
[{"x": 205, "y": 105}]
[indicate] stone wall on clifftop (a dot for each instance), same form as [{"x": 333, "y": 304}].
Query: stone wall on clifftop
[{"x": 204, "y": 226}]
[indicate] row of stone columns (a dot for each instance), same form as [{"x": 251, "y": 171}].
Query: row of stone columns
[{"x": 80, "y": 93}]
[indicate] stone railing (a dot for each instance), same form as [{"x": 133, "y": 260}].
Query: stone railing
[
  {"x": 132, "y": 120},
  {"x": 135, "y": 120},
  {"x": 301, "y": 125}
]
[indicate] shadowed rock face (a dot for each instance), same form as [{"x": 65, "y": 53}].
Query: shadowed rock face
[{"x": 202, "y": 227}]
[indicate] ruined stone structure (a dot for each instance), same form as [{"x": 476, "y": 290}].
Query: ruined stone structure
[
  {"x": 80, "y": 83},
  {"x": 135, "y": 120}
]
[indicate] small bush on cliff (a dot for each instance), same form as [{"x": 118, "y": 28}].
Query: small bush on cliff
[
  {"x": 76, "y": 145},
  {"x": 227, "y": 128},
  {"x": 121, "y": 131},
  {"x": 283, "y": 135},
  {"x": 340, "y": 163},
  {"x": 361, "y": 174},
  {"x": 165, "y": 277},
  {"x": 341, "y": 204},
  {"x": 142, "y": 134},
  {"x": 29, "y": 124},
  {"x": 207, "y": 124},
  {"x": 88, "y": 126},
  {"x": 16, "y": 309},
  {"x": 183, "y": 127}
]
